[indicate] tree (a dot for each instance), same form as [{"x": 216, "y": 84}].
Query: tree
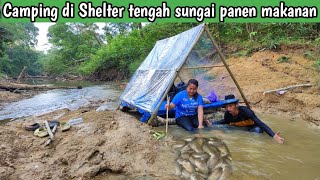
[{"x": 17, "y": 48}]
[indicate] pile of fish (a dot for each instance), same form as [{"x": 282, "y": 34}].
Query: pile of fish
[{"x": 202, "y": 158}]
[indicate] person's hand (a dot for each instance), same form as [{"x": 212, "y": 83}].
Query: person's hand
[
  {"x": 278, "y": 138},
  {"x": 207, "y": 122},
  {"x": 200, "y": 126},
  {"x": 166, "y": 106}
]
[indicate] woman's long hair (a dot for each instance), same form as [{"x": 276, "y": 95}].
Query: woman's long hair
[{"x": 196, "y": 83}]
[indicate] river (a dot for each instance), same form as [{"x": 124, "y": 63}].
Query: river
[{"x": 255, "y": 156}]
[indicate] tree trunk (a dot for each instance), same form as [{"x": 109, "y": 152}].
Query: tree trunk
[{"x": 22, "y": 74}]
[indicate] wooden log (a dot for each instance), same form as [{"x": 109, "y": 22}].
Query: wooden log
[{"x": 287, "y": 88}]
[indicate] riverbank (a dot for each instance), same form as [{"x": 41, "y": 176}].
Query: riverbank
[
  {"x": 107, "y": 142},
  {"x": 267, "y": 70}
]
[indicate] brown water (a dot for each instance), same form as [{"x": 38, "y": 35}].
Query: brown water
[{"x": 258, "y": 156}]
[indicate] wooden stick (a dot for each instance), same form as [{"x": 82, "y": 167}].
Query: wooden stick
[
  {"x": 167, "y": 115},
  {"x": 50, "y": 140},
  {"x": 48, "y": 129},
  {"x": 287, "y": 88}
]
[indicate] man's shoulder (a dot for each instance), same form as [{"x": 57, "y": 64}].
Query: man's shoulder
[{"x": 246, "y": 110}]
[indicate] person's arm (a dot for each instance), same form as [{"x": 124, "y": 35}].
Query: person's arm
[
  {"x": 200, "y": 111},
  {"x": 200, "y": 116},
  {"x": 171, "y": 106},
  {"x": 262, "y": 125},
  {"x": 268, "y": 130},
  {"x": 174, "y": 103}
]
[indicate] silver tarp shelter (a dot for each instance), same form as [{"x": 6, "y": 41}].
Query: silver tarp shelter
[{"x": 190, "y": 54}]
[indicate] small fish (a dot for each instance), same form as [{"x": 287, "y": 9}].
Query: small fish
[
  {"x": 200, "y": 140},
  {"x": 202, "y": 166},
  {"x": 196, "y": 147},
  {"x": 185, "y": 149},
  {"x": 215, "y": 175},
  {"x": 218, "y": 164},
  {"x": 178, "y": 144},
  {"x": 227, "y": 159},
  {"x": 180, "y": 160},
  {"x": 215, "y": 139},
  {"x": 189, "y": 139},
  {"x": 215, "y": 143},
  {"x": 192, "y": 159},
  {"x": 224, "y": 150},
  {"x": 185, "y": 155},
  {"x": 212, "y": 162},
  {"x": 178, "y": 169},
  {"x": 226, "y": 172},
  {"x": 196, "y": 177},
  {"x": 210, "y": 149},
  {"x": 185, "y": 174},
  {"x": 200, "y": 155},
  {"x": 188, "y": 166}
]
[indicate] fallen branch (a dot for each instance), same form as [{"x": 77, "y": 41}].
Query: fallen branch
[
  {"x": 51, "y": 138},
  {"x": 48, "y": 129},
  {"x": 13, "y": 87},
  {"x": 287, "y": 88}
]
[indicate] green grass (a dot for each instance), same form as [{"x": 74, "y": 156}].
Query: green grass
[{"x": 284, "y": 59}]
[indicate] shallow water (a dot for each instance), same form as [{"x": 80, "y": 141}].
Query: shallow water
[
  {"x": 258, "y": 156},
  {"x": 61, "y": 98}
]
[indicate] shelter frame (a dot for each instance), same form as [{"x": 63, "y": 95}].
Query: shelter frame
[{"x": 205, "y": 29}]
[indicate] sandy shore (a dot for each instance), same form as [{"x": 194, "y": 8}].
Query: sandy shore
[{"x": 105, "y": 143}]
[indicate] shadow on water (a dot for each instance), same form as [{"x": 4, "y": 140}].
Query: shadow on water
[{"x": 258, "y": 156}]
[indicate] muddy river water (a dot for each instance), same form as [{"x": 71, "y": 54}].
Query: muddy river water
[
  {"x": 254, "y": 156},
  {"x": 258, "y": 156}
]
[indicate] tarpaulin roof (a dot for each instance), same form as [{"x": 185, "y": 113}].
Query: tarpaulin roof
[{"x": 157, "y": 72}]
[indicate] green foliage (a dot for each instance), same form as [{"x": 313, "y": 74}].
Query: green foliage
[
  {"x": 125, "y": 51},
  {"x": 79, "y": 49},
  {"x": 53, "y": 64},
  {"x": 16, "y": 48}
]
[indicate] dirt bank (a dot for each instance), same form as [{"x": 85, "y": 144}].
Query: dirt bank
[
  {"x": 263, "y": 71},
  {"x": 107, "y": 143}
]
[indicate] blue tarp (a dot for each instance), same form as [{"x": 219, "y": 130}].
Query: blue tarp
[
  {"x": 162, "y": 111},
  {"x": 148, "y": 85}
]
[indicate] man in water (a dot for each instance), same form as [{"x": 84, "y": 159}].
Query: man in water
[{"x": 243, "y": 116}]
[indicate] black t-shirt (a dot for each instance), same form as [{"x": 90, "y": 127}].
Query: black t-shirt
[{"x": 244, "y": 114}]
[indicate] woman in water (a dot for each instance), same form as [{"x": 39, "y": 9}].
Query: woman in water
[{"x": 189, "y": 107}]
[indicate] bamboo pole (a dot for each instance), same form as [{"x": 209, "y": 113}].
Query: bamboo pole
[
  {"x": 167, "y": 115},
  {"x": 226, "y": 65}
]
